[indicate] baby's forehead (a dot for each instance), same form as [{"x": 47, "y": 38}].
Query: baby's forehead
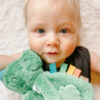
[
  {"x": 71, "y": 7},
  {"x": 48, "y": 6},
  {"x": 49, "y": 3}
]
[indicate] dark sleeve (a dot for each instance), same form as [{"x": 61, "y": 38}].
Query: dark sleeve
[{"x": 81, "y": 59}]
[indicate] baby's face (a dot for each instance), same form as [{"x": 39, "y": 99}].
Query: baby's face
[{"x": 51, "y": 31}]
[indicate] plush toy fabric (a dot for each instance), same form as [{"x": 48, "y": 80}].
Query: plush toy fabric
[{"x": 27, "y": 77}]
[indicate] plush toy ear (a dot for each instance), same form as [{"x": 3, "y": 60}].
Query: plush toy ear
[{"x": 21, "y": 74}]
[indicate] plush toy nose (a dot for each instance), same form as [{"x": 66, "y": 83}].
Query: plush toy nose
[{"x": 1, "y": 74}]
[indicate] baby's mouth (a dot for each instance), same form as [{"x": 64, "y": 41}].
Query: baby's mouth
[{"x": 52, "y": 53}]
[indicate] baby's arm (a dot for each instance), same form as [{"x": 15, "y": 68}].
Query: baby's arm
[
  {"x": 5, "y": 60},
  {"x": 95, "y": 62}
]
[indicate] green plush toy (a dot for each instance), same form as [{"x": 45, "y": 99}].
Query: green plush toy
[{"x": 27, "y": 77}]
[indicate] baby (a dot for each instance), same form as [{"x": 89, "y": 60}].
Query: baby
[{"x": 53, "y": 27}]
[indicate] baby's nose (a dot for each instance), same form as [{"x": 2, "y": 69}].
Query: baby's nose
[{"x": 53, "y": 40}]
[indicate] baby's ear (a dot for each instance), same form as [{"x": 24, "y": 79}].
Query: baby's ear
[{"x": 21, "y": 74}]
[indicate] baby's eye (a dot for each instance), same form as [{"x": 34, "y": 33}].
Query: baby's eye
[
  {"x": 64, "y": 31},
  {"x": 40, "y": 31}
]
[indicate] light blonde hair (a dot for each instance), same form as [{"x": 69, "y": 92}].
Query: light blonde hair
[{"x": 71, "y": 5}]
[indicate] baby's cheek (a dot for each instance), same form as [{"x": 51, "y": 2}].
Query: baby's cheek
[
  {"x": 34, "y": 46},
  {"x": 69, "y": 48}
]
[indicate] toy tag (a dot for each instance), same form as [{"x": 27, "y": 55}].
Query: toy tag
[
  {"x": 52, "y": 68},
  {"x": 71, "y": 69},
  {"x": 74, "y": 71},
  {"x": 77, "y": 72},
  {"x": 64, "y": 67}
]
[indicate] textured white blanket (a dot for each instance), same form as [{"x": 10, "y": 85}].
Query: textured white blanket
[
  {"x": 6, "y": 94},
  {"x": 12, "y": 25}
]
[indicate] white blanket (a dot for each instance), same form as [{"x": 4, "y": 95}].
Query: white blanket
[{"x": 6, "y": 94}]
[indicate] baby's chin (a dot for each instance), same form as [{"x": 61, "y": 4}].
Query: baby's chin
[{"x": 50, "y": 61}]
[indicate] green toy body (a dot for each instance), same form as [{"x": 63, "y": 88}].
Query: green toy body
[{"x": 27, "y": 77}]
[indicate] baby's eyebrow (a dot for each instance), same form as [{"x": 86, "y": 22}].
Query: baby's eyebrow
[
  {"x": 40, "y": 25},
  {"x": 65, "y": 24},
  {"x": 57, "y": 25},
  {"x": 37, "y": 25}
]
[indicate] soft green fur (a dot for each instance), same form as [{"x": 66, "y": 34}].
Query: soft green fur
[{"x": 27, "y": 77}]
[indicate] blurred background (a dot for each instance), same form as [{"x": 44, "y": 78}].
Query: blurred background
[{"x": 13, "y": 35}]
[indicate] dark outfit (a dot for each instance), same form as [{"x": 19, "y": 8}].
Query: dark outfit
[{"x": 81, "y": 59}]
